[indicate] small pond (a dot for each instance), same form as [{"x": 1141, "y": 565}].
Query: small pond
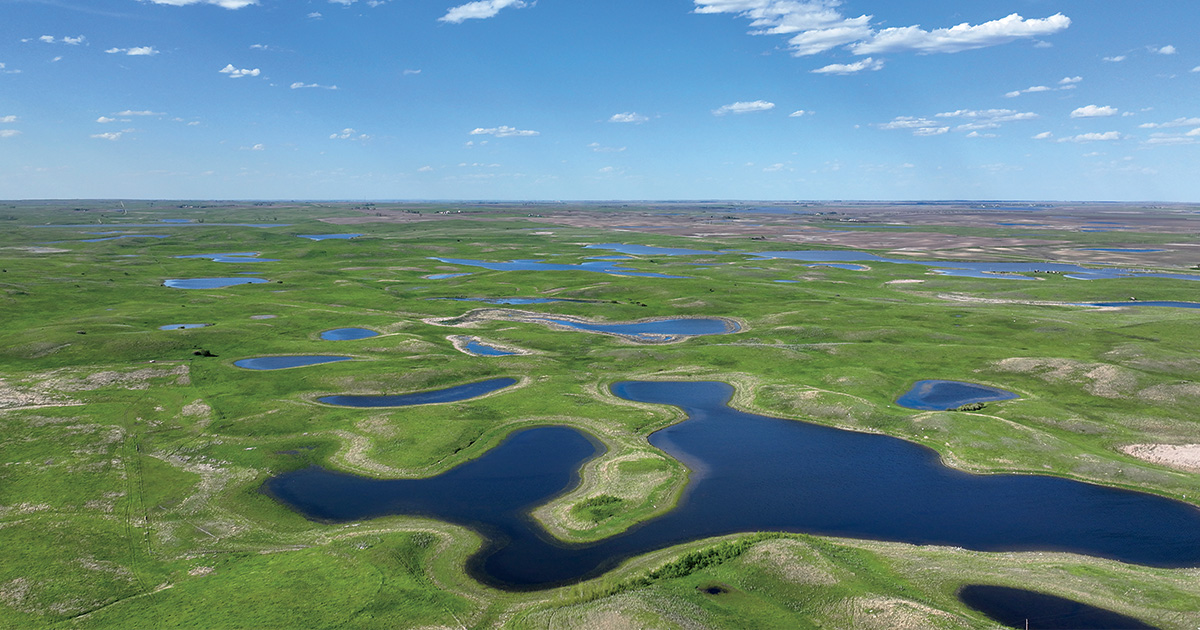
[
  {"x": 457, "y": 393},
  {"x": 232, "y": 257},
  {"x": 1163, "y": 303},
  {"x": 329, "y": 237},
  {"x": 284, "y": 362},
  {"x": 1019, "y": 608},
  {"x": 594, "y": 266},
  {"x": 659, "y": 330},
  {"x": 481, "y": 349},
  {"x": 348, "y": 334},
  {"x": 755, "y": 473},
  {"x": 649, "y": 250},
  {"x": 209, "y": 283},
  {"x": 445, "y": 276},
  {"x": 182, "y": 326},
  {"x": 846, "y": 266},
  {"x": 113, "y": 238},
  {"x": 937, "y": 395}
]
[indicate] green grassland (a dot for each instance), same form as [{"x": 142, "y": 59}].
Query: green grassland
[{"x": 129, "y": 486}]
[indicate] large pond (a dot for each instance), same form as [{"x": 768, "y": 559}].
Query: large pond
[
  {"x": 659, "y": 330},
  {"x": 284, "y": 362},
  {"x": 1019, "y": 608},
  {"x": 936, "y": 395},
  {"x": 481, "y": 349},
  {"x": 595, "y": 266},
  {"x": 755, "y": 473},
  {"x": 1163, "y": 303},
  {"x": 232, "y": 257},
  {"x": 348, "y": 334},
  {"x": 209, "y": 283},
  {"x": 457, "y": 393},
  {"x": 649, "y": 250}
]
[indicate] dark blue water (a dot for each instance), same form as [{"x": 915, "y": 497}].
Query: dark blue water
[
  {"x": 232, "y": 257},
  {"x": 1019, "y": 608},
  {"x": 176, "y": 221},
  {"x": 595, "y": 266},
  {"x": 209, "y": 283},
  {"x": 941, "y": 395},
  {"x": 182, "y": 326},
  {"x": 329, "y": 237},
  {"x": 478, "y": 348},
  {"x": 445, "y": 276},
  {"x": 1166, "y": 303},
  {"x": 977, "y": 269},
  {"x": 661, "y": 330},
  {"x": 280, "y": 363},
  {"x": 450, "y": 394},
  {"x": 648, "y": 250},
  {"x": 348, "y": 334},
  {"x": 113, "y": 238},
  {"x": 757, "y": 473}
]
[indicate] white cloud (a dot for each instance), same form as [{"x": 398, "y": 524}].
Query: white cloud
[
  {"x": 1196, "y": 69},
  {"x": 930, "y": 131},
  {"x": 1165, "y": 50},
  {"x": 1093, "y": 111},
  {"x": 9, "y": 133},
  {"x": 1116, "y": 58},
  {"x": 315, "y": 15},
  {"x": 628, "y": 117},
  {"x": 349, "y": 134},
  {"x": 1043, "y": 136},
  {"x": 816, "y": 26},
  {"x": 961, "y": 37},
  {"x": 114, "y": 135},
  {"x": 50, "y": 39},
  {"x": 743, "y": 107},
  {"x": 1178, "y": 122},
  {"x": 976, "y": 134},
  {"x": 798, "y": 113},
  {"x": 228, "y": 4},
  {"x": 105, "y": 120},
  {"x": 237, "y": 73},
  {"x": 411, "y": 72},
  {"x": 141, "y": 112},
  {"x": 8, "y": 119},
  {"x": 480, "y": 10},
  {"x": 1070, "y": 80},
  {"x": 4, "y": 69},
  {"x": 300, "y": 86},
  {"x": 1093, "y": 137},
  {"x": 425, "y": 169},
  {"x": 137, "y": 51},
  {"x": 850, "y": 68},
  {"x": 975, "y": 120},
  {"x": 503, "y": 131},
  {"x": 1028, "y": 90},
  {"x": 599, "y": 148}
]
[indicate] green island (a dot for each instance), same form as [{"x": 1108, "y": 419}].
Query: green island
[{"x": 134, "y": 457}]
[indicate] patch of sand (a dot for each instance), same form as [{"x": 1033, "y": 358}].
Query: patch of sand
[{"x": 1179, "y": 456}]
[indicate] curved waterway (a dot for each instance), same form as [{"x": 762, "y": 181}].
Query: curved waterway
[
  {"x": 657, "y": 330},
  {"x": 457, "y": 393},
  {"x": 943, "y": 395},
  {"x": 755, "y": 473},
  {"x": 209, "y": 283},
  {"x": 285, "y": 362}
]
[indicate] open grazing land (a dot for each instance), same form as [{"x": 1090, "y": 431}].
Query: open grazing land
[{"x": 572, "y": 415}]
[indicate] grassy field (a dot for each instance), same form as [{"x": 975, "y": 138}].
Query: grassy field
[{"x": 133, "y": 456}]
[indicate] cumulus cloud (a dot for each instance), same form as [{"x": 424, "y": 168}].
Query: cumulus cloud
[
  {"x": 1070, "y": 80},
  {"x": 480, "y": 10},
  {"x": 139, "y": 112},
  {"x": 1028, "y": 90},
  {"x": 599, "y": 148},
  {"x": 113, "y": 135},
  {"x": 50, "y": 39},
  {"x": 9, "y": 133},
  {"x": 228, "y": 4},
  {"x": 137, "y": 51},
  {"x": 1093, "y": 111},
  {"x": 974, "y": 120},
  {"x": 743, "y": 107},
  {"x": 1196, "y": 69},
  {"x": 798, "y": 113},
  {"x": 628, "y": 117},
  {"x": 105, "y": 120},
  {"x": 302, "y": 86},
  {"x": 1178, "y": 122},
  {"x": 408, "y": 72},
  {"x": 4, "y": 69},
  {"x": 348, "y": 134},
  {"x": 8, "y": 119},
  {"x": 850, "y": 68},
  {"x": 1045, "y": 135},
  {"x": 503, "y": 131},
  {"x": 1116, "y": 58},
  {"x": 816, "y": 26},
  {"x": 1165, "y": 50},
  {"x": 425, "y": 169},
  {"x": 1093, "y": 137},
  {"x": 237, "y": 73}
]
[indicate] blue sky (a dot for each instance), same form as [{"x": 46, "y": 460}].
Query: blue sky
[{"x": 619, "y": 99}]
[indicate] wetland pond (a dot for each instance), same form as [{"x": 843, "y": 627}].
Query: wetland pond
[
  {"x": 1019, "y": 608},
  {"x": 595, "y": 266},
  {"x": 1163, "y": 303},
  {"x": 232, "y": 257},
  {"x": 457, "y": 393},
  {"x": 658, "y": 330},
  {"x": 285, "y": 362},
  {"x": 182, "y": 326},
  {"x": 348, "y": 334},
  {"x": 209, "y": 283},
  {"x": 754, "y": 473},
  {"x": 481, "y": 349},
  {"x": 943, "y": 395}
]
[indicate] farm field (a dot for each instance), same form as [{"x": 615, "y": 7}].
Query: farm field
[{"x": 137, "y": 453}]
